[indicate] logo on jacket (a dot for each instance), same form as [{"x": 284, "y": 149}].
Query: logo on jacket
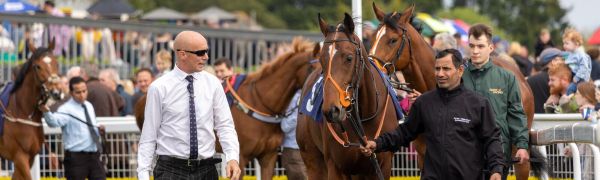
[
  {"x": 496, "y": 91},
  {"x": 462, "y": 120}
]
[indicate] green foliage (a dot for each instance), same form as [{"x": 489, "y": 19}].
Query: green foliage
[{"x": 524, "y": 19}]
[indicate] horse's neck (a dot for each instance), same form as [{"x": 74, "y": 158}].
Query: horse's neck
[
  {"x": 421, "y": 65},
  {"x": 23, "y": 103},
  {"x": 372, "y": 91},
  {"x": 275, "y": 90}
]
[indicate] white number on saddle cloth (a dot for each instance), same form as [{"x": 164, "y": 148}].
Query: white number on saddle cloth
[{"x": 314, "y": 90}]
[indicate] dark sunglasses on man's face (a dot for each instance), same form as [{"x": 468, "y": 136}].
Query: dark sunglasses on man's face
[{"x": 197, "y": 53}]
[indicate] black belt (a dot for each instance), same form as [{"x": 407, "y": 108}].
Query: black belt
[
  {"x": 190, "y": 162},
  {"x": 81, "y": 152}
]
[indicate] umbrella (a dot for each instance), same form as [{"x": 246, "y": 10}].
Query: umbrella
[
  {"x": 214, "y": 12},
  {"x": 595, "y": 39},
  {"x": 164, "y": 13},
  {"x": 111, "y": 8},
  {"x": 16, "y": 6},
  {"x": 432, "y": 24}
]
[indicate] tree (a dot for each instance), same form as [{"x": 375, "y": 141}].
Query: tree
[{"x": 522, "y": 20}]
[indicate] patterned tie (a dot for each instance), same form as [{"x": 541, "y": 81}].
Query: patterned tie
[
  {"x": 193, "y": 133},
  {"x": 95, "y": 136}
]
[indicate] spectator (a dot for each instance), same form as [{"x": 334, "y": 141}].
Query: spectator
[
  {"x": 579, "y": 62},
  {"x": 586, "y": 100},
  {"x": 77, "y": 120},
  {"x": 143, "y": 79},
  {"x": 290, "y": 157},
  {"x": 516, "y": 51},
  {"x": 223, "y": 69},
  {"x": 110, "y": 78},
  {"x": 163, "y": 62},
  {"x": 443, "y": 41},
  {"x": 594, "y": 54},
  {"x": 544, "y": 41},
  {"x": 460, "y": 44},
  {"x": 559, "y": 102},
  {"x": 61, "y": 33},
  {"x": 539, "y": 82}
]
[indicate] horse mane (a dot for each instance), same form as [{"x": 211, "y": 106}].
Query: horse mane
[
  {"x": 26, "y": 66},
  {"x": 298, "y": 45}
]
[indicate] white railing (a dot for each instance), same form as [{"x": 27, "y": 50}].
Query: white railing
[{"x": 123, "y": 136}]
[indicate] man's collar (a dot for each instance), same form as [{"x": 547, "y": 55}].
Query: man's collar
[
  {"x": 486, "y": 66},
  {"x": 179, "y": 74}
]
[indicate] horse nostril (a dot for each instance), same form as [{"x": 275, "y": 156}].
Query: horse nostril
[{"x": 334, "y": 113}]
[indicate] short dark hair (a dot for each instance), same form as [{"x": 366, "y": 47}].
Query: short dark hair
[
  {"x": 457, "y": 59},
  {"x": 593, "y": 53},
  {"x": 75, "y": 80},
  {"x": 49, "y": 3},
  {"x": 480, "y": 29},
  {"x": 225, "y": 61},
  {"x": 144, "y": 69}
]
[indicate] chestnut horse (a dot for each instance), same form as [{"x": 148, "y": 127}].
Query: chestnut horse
[
  {"x": 355, "y": 98},
  {"x": 399, "y": 44},
  {"x": 269, "y": 91},
  {"x": 36, "y": 83}
]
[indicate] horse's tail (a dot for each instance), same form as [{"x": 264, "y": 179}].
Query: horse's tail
[{"x": 539, "y": 164}]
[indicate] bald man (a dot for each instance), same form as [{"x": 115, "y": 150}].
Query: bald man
[{"x": 184, "y": 108}]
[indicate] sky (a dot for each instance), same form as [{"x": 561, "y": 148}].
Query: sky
[{"x": 583, "y": 15}]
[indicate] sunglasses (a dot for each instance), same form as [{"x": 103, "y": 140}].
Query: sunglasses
[{"x": 197, "y": 53}]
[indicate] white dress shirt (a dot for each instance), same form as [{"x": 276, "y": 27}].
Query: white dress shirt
[{"x": 167, "y": 124}]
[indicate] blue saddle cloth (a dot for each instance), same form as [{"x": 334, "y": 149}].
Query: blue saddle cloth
[
  {"x": 312, "y": 101},
  {"x": 237, "y": 82},
  {"x": 4, "y": 98}
]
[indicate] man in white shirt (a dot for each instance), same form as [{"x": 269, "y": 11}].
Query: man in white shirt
[{"x": 172, "y": 108}]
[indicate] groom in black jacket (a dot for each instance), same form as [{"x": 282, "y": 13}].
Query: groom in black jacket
[{"x": 461, "y": 134}]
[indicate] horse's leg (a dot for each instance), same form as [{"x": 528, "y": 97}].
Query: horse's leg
[
  {"x": 243, "y": 164},
  {"x": 420, "y": 146},
  {"x": 22, "y": 166},
  {"x": 267, "y": 165},
  {"x": 521, "y": 170}
]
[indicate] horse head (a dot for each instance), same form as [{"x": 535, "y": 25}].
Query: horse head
[
  {"x": 398, "y": 46},
  {"x": 42, "y": 66},
  {"x": 343, "y": 58}
]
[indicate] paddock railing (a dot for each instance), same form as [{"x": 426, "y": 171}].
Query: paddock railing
[{"x": 123, "y": 135}]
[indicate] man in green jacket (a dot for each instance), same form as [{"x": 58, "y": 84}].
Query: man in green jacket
[{"x": 502, "y": 90}]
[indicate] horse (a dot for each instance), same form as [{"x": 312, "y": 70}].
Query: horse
[
  {"x": 399, "y": 45},
  {"x": 354, "y": 95},
  {"x": 268, "y": 93},
  {"x": 36, "y": 83}
]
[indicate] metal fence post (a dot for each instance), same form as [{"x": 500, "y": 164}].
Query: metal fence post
[
  {"x": 35, "y": 168},
  {"x": 596, "y": 154},
  {"x": 576, "y": 161}
]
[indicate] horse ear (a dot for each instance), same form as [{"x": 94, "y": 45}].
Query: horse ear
[
  {"x": 349, "y": 23},
  {"x": 322, "y": 25},
  {"x": 378, "y": 12},
  {"x": 407, "y": 14},
  {"x": 31, "y": 45},
  {"x": 316, "y": 50},
  {"x": 51, "y": 45}
]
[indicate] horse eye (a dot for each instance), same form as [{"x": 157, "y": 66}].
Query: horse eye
[
  {"x": 349, "y": 58},
  {"x": 392, "y": 41}
]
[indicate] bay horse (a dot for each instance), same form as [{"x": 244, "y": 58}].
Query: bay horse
[
  {"x": 269, "y": 91},
  {"x": 355, "y": 97},
  {"x": 36, "y": 83},
  {"x": 398, "y": 44}
]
